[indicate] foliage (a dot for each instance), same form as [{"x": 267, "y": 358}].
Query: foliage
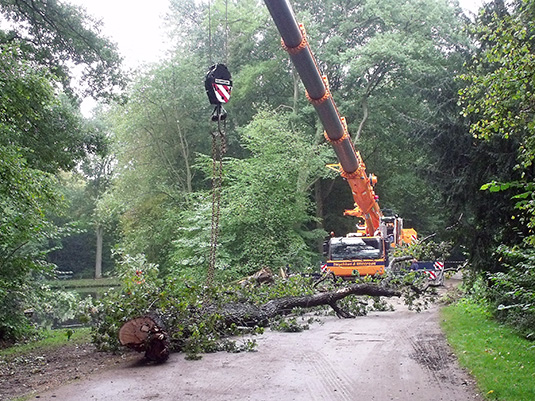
[
  {"x": 267, "y": 217},
  {"x": 137, "y": 295},
  {"x": 498, "y": 98},
  {"x": 41, "y": 133},
  {"x": 511, "y": 292},
  {"x": 177, "y": 301},
  {"x": 425, "y": 250},
  {"x": 191, "y": 247},
  {"x": 501, "y": 362},
  {"x": 524, "y": 204},
  {"x": 156, "y": 137},
  {"x": 96, "y": 222},
  {"x": 51, "y": 308},
  {"x": 501, "y": 76},
  {"x": 292, "y": 324},
  {"x": 397, "y": 97},
  {"x": 46, "y": 129},
  {"x": 59, "y": 36},
  {"x": 154, "y": 173},
  {"x": 192, "y": 313},
  {"x": 25, "y": 195},
  {"x": 498, "y": 94},
  {"x": 265, "y": 196}
]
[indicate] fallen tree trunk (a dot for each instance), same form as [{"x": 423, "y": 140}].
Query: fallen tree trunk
[
  {"x": 243, "y": 314},
  {"x": 249, "y": 315}
]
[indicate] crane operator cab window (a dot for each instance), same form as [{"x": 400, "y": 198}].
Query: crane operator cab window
[{"x": 356, "y": 248}]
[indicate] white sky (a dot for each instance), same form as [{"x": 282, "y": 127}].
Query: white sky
[
  {"x": 135, "y": 25},
  {"x": 471, "y": 5}
]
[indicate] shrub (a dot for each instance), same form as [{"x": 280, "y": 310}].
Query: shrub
[{"x": 512, "y": 291}]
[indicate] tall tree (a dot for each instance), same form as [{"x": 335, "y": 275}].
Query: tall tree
[
  {"x": 26, "y": 195},
  {"x": 267, "y": 217},
  {"x": 409, "y": 101},
  {"x": 61, "y": 37},
  {"x": 42, "y": 132},
  {"x": 392, "y": 74},
  {"x": 157, "y": 136},
  {"x": 498, "y": 100},
  {"x": 47, "y": 130}
]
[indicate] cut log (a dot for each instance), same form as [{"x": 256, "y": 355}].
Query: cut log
[{"x": 145, "y": 334}]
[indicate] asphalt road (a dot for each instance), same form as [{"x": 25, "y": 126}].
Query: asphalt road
[{"x": 400, "y": 355}]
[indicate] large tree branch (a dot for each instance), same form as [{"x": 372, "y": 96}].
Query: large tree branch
[
  {"x": 136, "y": 333},
  {"x": 252, "y": 315}
]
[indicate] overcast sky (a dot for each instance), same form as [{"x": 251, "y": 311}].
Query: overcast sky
[{"x": 137, "y": 25}]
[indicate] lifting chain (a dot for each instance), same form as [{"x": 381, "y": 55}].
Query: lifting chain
[{"x": 219, "y": 147}]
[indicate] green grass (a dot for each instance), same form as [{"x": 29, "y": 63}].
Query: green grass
[
  {"x": 84, "y": 283},
  {"x": 50, "y": 339},
  {"x": 502, "y": 363}
]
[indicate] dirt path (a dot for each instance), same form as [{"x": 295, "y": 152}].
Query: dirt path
[{"x": 399, "y": 355}]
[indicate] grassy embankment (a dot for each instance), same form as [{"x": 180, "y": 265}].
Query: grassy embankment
[
  {"x": 502, "y": 362},
  {"x": 84, "y": 283},
  {"x": 50, "y": 339},
  {"x": 85, "y": 286}
]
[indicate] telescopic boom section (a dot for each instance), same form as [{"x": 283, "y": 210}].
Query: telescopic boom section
[{"x": 352, "y": 167}]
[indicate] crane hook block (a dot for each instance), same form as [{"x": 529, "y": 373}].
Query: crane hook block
[{"x": 218, "y": 84}]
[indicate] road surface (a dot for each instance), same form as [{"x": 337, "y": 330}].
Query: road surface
[{"x": 400, "y": 355}]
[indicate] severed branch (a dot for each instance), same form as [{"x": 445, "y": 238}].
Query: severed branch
[{"x": 249, "y": 315}]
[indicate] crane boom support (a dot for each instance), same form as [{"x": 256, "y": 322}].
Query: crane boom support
[{"x": 352, "y": 168}]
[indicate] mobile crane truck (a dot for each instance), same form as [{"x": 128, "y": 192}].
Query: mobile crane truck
[{"x": 363, "y": 252}]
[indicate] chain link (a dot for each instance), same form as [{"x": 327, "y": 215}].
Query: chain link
[{"x": 218, "y": 138}]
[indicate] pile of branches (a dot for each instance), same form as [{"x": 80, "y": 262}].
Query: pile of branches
[{"x": 204, "y": 324}]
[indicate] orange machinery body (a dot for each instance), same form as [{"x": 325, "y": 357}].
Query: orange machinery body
[{"x": 355, "y": 256}]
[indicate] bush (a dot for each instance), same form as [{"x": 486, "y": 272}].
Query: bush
[{"x": 512, "y": 292}]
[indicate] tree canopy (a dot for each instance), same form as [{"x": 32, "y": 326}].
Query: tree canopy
[
  {"x": 42, "y": 133},
  {"x": 60, "y": 37}
]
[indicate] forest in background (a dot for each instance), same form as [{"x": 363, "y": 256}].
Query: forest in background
[{"x": 439, "y": 106}]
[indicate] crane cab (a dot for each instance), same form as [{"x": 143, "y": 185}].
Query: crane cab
[{"x": 355, "y": 256}]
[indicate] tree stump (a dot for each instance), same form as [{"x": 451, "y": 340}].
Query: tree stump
[{"x": 146, "y": 334}]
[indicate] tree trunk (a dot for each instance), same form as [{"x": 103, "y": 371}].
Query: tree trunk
[
  {"x": 98, "y": 258},
  {"x": 145, "y": 333},
  {"x": 318, "y": 198},
  {"x": 365, "y": 114},
  {"x": 251, "y": 315}
]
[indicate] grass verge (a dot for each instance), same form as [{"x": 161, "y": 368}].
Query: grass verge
[
  {"x": 84, "y": 283},
  {"x": 50, "y": 339},
  {"x": 502, "y": 363}
]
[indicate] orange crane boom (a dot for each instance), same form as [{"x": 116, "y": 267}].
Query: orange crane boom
[{"x": 352, "y": 168}]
